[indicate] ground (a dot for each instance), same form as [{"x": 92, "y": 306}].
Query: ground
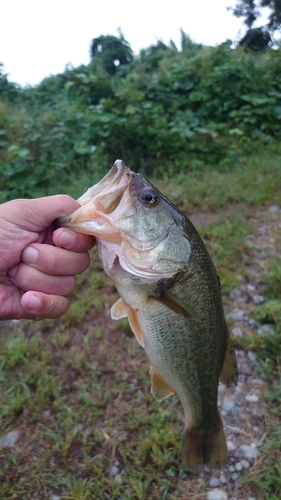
[{"x": 76, "y": 392}]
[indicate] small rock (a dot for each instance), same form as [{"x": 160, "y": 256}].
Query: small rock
[
  {"x": 114, "y": 470},
  {"x": 46, "y": 414},
  {"x": 263, "y": 255},
  {"x": 252, "y": 398},
  {"x": 245, "y": 464},
  {"x": 9, "y": 440},
  {"x": 237, "y": 332},
  {"x": 118, "y": 478},
  {"x": 223, "y": 479},
  {"x": 234, "y": 476},
  {"x": 214, "y": 482},
  {"x": 230, "y": 446},
  {"x": 234, "y": 294},
  {"x": 252, "y": 356},
  {"x": 274, "y": 209},
  {"x": 231, "y": 468},
  {"x": 251, "y": 498},
  {"x": 248, "y": 451},
  {"x": 216, "y": 494},
  {"x": 238, "y": 466},
  {"x": 256, "y": 381},
  {"x": 266, "y": 330},
  {"x": 228, "y": 405},
  {"x": 236, "y": 315},
  {"x": 79, "y": 427},
  {"x": 259, "y": 299},
  {"x": 253, "y": 323},
  {"x": 55, "y": 497},
  {"x": 251, "y": 288}
]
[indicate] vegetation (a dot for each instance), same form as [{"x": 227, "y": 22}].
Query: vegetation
[
  {"x": 162, "y": 112},
  {"x": 205, "y": 123}
]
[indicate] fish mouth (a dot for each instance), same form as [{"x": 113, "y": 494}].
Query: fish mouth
[{"x": 101, "y": 205}]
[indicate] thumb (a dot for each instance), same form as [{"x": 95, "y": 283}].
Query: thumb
[{"x": 38, "y": 214}]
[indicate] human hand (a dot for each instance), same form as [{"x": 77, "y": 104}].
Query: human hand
[{"x": 38, "y": 264}]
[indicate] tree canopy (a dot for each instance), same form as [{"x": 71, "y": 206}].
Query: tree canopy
[
  {"x": 259, "y": 38},
  {"x": 111, "y": 51}
]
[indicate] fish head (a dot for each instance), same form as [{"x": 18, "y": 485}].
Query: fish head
[{"x": 132, "y": 221}]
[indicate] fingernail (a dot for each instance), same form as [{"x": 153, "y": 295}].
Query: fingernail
[
  {"x": 30, "y": 255},
  {"x": 67, "y": 239},
  {"x": 35, "y": 302},
  {"x": 12, "y": 271}
]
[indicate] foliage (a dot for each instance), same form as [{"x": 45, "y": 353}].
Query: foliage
[
  {"x": 8, "y": 91},
  {"x": 256, "y": 39},
  {"x": 111, "y": 52},
  {"x": 162, "y": 113}
]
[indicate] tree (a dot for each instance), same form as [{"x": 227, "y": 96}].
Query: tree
[
  {"x": 111, "y": 51},
  {"x": 258, "y": 38}
]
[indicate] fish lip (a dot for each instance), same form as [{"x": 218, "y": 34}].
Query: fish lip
[{"x": 97, "y": 201}]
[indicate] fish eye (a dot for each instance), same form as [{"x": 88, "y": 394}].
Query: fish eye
[{"x": 149, "y": 197}]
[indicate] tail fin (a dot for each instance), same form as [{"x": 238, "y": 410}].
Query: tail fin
[{"x": 204, "y": 447}]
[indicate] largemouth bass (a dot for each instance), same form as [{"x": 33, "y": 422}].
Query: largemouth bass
[{"x": 170, "y": 293}]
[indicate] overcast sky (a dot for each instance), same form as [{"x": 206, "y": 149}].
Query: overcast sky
[{"x": 39, "y": 37}]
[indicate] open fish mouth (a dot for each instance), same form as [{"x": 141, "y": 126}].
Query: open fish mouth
[{"x": 107, "y": 201}]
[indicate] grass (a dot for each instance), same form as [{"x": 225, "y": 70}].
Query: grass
[{"x": 78, "y": 388}]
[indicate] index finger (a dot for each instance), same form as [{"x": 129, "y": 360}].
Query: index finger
[{"x": 76, "y": 242}]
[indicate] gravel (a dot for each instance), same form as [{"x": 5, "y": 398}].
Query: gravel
[
  {"x": 216, "y": 494},
  {"x": 9, "y": 440}
]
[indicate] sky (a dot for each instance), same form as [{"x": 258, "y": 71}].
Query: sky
[{"x": 39, "y": 38}]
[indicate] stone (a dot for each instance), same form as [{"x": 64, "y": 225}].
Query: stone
[
  {"x": 234, "y": 294},
  {"x": 258, "y": 299},
  {"x": 118, "y": 478},
  {"x": 237, "y": 332},
  {"x": 214, "y": 482},
  {"x": 252, "y": 398},
  {"x": 256, "y": 381},
  {"x": 9, "y": 440},
  {"x": 55, "y": 497},
  {"x": 46, "y": 414},
  {"x": 274, "y": 209},
  {"x": 223, "y": 479},
  {"x": 230, "y": 445},
  {"x": 245, "y": 464},
  {"x": 252, "y": 356},
  {"x": 228, "y": 405},
  {"x": 236, "y": 315},
  {"x": 248, "y": 451},
  {"x": 266, "y": 330},
  {"x": 216, "y": 494},
  {"x": 251, "y": 288},
  {"x": 114, "y": 470},
  {"x": 238, "y": 466}
]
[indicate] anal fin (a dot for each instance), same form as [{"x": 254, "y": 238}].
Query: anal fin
[{"x": 159, "y": 388}]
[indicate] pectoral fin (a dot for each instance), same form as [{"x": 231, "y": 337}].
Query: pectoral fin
[
  {"x": 119, "y": 310},
  {"x": 174, "y": 303},
  {"x": 229, "y": 371},
  {"x": 159, "y": 388}
]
